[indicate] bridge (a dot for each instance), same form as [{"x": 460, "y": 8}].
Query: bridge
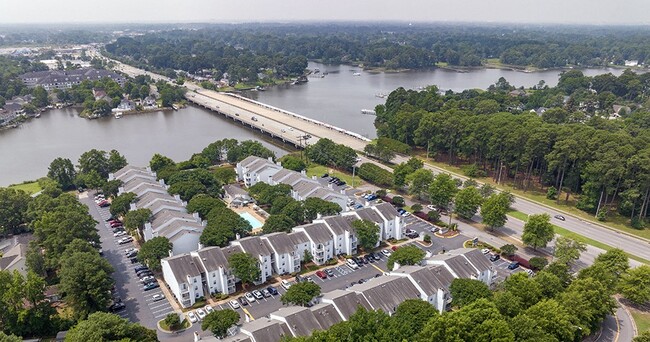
[{"x": 289, "y": 127}]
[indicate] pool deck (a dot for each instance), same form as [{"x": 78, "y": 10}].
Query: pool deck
[{"x": 249, "y": 209}]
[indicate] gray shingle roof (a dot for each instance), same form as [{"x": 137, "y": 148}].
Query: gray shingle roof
[
  {"x": 299, "y": 319},
  {"x": 476, "y": 257},
  {"x": 340, "y": 224},
  {"x": 387, "y": 210},
  {"x": 386, "y": 293},
  {"x": 148, "y": 198},
  {"x": 429, "y": 278},
  {"x": 305, "y": 187},
  {"x": 458, "y": 264},
  {"x": 213, "y": 258},
  {"x": 267, "y": 330},
  {"x": 183, "y": 266},
  {"x": 370, "y": 215},
  {"x": 130, "y": 168},
  {"x": 254, "y": 246},
  {"x": 234, "y": 190},
  {"x": 318, "y": 232},
  {"x": 161, "y": 206},
  {"x": 280, "y": 242},
  {"x": 230, "y": 250},
  {"x": 164, "y": 216},
  {"x": 298, "y": 238},
  {"x": 347, "y": 302},
  {"x": 282, "y": 174},
  {"x": 326, "y": 315}
]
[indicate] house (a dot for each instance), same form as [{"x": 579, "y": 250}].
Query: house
[
  {"x": 259, "y": 249},
  {"x": 393, "y": 227},
  {"x": 344, "y": 236},
  {"x": 619, "y": 111},
  {"x": 99, "y": 94},
  {"x": 386, "y": 293},
  {"x": 266, "y": 330},
  {"x": 182, "y": 230},
  {"x": 345, "y": 303},
  {"x": 321, "y": 241},
  {"x": 288, "y": 251},
  {"x": 182, "y": 275},
  {"x": 254, "y": 169},
  {"x": 215, "y": 270},
  {"x": 150, "y": 101},
  {"x": 369, "y": 214},
  {"x": 52, "y": 294},
  {"x": 64, "y": 79},
  {"x": 631, "y": 63},
  {"x": 468, "y": 263},
  {"x": 125, "y": 105},
  {"x": 518, "y": 93},
  {"x": 10, "y": 111},
  {"x": 126, "y": 173},
  {"x": 235, "y": 195},
  {"x": 15, "y": 259},
  {"x": 431, "y": 281}
]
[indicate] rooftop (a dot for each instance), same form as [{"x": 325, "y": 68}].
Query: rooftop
[
  {"x": 183, "y": 266},
  {"x": 387, "y": 210},
  {"x": 255, "y": 246},
  {"x": 347, "y": 302},
  {"x": 212, "y": 258},
  {"x": 318, "y": 232},
  {"x": 386, "y": 293}
]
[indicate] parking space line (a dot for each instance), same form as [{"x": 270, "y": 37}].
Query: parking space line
[
  {"x": 163, "y": 315},
  {"x": 248, "y": 314},
  {"x": 378, "y": 268}
]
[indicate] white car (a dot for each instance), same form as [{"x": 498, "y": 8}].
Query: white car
[
  {"x": 353, "y": 265},
  {"x": 431, "y": 207},
  {"x": 485, "y": 251},
  {"x": 201, "y": 313},
  {"x": 147, "y": 279},
  {"x": 120, "y": 233},
  {"x": 129, "y": 250},
  {"x": 258, "y": 295},
  {"x": 233, "y": 304},
  {"x": 157, "y": 297},
  {"x": 530, "y": 273},
  {"x": 386, "y": 252},
  {"x": 286, "y": 284},
  {"x": 208, "y": 309},
  {"x": 192, "y": 317},
  {"x": 249, "y": 297}
]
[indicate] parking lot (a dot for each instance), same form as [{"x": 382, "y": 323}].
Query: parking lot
[{"x": 140, "y": 305}]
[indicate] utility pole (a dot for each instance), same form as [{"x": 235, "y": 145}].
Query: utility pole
[{"x": 354, "y": 168}]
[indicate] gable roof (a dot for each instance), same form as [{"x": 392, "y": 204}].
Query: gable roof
[
  {"x": 387, "y": 210},
  {"x": 458, "y": 265},
  {"x": 476, "y": 257},
  {"x": 340, "y": 224},
  {"x": 347, "y": 302},
  {"x": 386, "y": 293},
  {"x": 165, "y": 216},
  {"x": 147, "y": 199},
  {"x": 280, "y": 242},
  {"x": 428, "y": 278},
  {"x": 326, "y": 315},
  {"x": 370, "y": 215},
  {"x": 300, "y": 320},
  {"x": 254, "y": 246},
  {"x": 266, "y": 330},
  {"x": 212, "y": 258},
  {"x": 15, "y": 254},
  {"x": 182, "y": 266},
  {"x": 318, "y": 232}
]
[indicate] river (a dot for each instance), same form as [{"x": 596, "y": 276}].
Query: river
[
  {"x": 28, "y": 150},
  {"x": 336, "y": 99},
  {"x": 339, "y": 97}
]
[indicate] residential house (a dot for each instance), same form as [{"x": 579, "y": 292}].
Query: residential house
[
  {"x": 344, "y": 236},
  {"x": 288, "y": 250},
  {"x": 128, "y": 172},
  {"x": 15, "y": 259},
  {"x": 432, "y": 282},
  {"x": 64, "y": 79},
  {"x": 321, "y": 241},
  {"x": 259, "y": 249},
  {"x": 254, "y": 169},
  {"x": 125, "y": 105},
  {"x": 182, "y": 275},
  {"x": 215, "y": 270},
  {"x": 386, "y": 293},
  {"x": 468, "y": 263},
  {"x": 393, "y": 227},
  {"x": 235, "y": 195},
  {"x": 345, "y": 303}
]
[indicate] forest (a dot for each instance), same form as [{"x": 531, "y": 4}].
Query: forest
[{"x": 588, "y": 137}]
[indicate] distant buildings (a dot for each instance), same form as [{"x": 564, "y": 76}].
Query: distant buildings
[{"x": 64, "y": 79}]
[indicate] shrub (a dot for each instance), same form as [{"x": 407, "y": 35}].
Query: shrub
[
  {"x": 551, "y": 193},
  {"x": 433, "y": 216},
  {"x": 509, "y": 250},
  {"x": 375, "y": 174},
  {"x": 398, "y": 201},
  {"x": 473, "y": 171},
  {"x": 427, "y": 238},
  {"x": 538, "y": 263}
]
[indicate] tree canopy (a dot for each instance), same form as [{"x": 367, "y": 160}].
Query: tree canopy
[
  {"x": 300, "y": 293},
  {"x": 153, "y": 250}
]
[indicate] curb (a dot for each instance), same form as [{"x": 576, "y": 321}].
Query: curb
[{"x": 629, "y": 315}]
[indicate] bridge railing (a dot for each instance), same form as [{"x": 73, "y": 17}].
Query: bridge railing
[{"x": 320, "y": 123}]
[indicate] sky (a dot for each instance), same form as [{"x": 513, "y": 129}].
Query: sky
[{"x": 605, "y": 12}]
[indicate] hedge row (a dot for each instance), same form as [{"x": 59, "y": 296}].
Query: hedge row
[{"x": 376, "y": 175}]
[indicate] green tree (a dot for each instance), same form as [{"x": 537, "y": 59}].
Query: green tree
[
  {"x": 136, "y": 219},
  {"x": 62, "y": 171},
  {"x": 94, "y": 160},
  {"x": 203, "y": 204},
  {"x": 643, "y": 337},
  {"x": 398, "y": 201},
  {"x": 9, "y": 338},
  {"x": 153, "y": 250},
  {"x": 121, "y": 204},
  {"x": 225, "y": 175},
  {"x": 92, "y": 180},
  {"x": 278, "y": 223},
  {"x": 635, "y": 284},
  {"x": 538, "y": 231},
  {"x": 245, "y": 267},
  {"x": 410, "y": 317},
  {"x": 588, "y": 302},
  {"x": 172, "y": 321},
  {"x": 315, "y": 206},
  {"x": 467, "y": 202},
  {"x": 40, "y": 97},
  {"x": 293, "y": 163},
  {"x": 187, "y": 189},
  {"x": 405, "y": 255},
  {"x": 300, "y": 293},
  {"x": 538, "y": 263},
  {"x": 218, "y": 322},
  {"x": 509, "y": 249},
  {"x": 417, "y": 207},
  {"x": 442, "y": 190},
  {"x": 13, "y": 210},
  {"x": 102, "y": 326},
  {"x": 115, "y": 161},
  {"x": 112, "y": 187},
  {"x": 159, "y": 162},
  {"x": 419, "y": 182},
  {"x": 567, "y": 250},
  {"x": 86, "y": 282},
  {"x": 544, "y": 321},
  {"x": 367, "y": 232},
  {"x": 466, "y": 291},
  {"x": 493, "y": 211}
]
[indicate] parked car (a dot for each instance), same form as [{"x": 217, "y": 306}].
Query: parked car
[
  {"x": 325, "y": 175},
  {"x": 243, "y": 301},
  {"x": 495, "y": 257},
  {"x": 233, "y": 304},
  {"x": 361, "y": 261},
  {"x": 530, "y": 273},
  {"x": 116, "y": 306},
  {"x": 485, "y": 251},
  {"x": 266, "y": 293},
  {"x": 513, "y": 265},
  {"x": 386, "y": 252},
  {"x": 310, "y": 279},
  {"x": 208, "y": 309},
  {"x": 120, "y": 233},
  {"x": 329, "y": 272},
  {"x": 258, "y": 295},
  {"x": 150, "y": 286},
  {"x": 394, "y": 248},
  {"x": 559, "y": 217},
  {"x": 133, "y": 260},
  {"x": 352, "y": 264},
  {"x": 432, "y": 207},
  {"x": 140, "y": 268},
  {"x": 249, "y": 297},
  {"x": 376, "y": 256},
  {"x": 321, "y": 274},
  {"x": 132, "y": 254},
  {"x": 272, "y": 290},
  {"x": 104, "y": 204},
  {"x": 115, "y": 224},
  {"x": 358, "y": 206},
  {"x": 192, "y": 317},
  {"x": 144, "y": 273},
  {"x": 201, "y": 313},
  {"x": 125, "y": 240},
  {"x": 158, "y": 297},
  {"x": 129, "y": 250},
  {"x": 434, "y": 229},
  {"x": 369, "y": 258},
  {"x": 147, "y": 279}
]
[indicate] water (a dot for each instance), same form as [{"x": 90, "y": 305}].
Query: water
[
  {"x": 28, "y": 150},
  {"x": 255, "y": 223},
  {"x": 339, "y": 97},
  {"x": 336, "y": 99}
]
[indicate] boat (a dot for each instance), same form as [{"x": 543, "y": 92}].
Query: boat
[
  {"x": 175, "y": 106},
  {"x": 380, "y": 95},
  {"x": 316, "y": 70},
  {"x": 38, "y": 115},
  {"x": 356, "y": 74},
  {"x": 368, "y": 112},
  {"x": 118, "y": 115}
]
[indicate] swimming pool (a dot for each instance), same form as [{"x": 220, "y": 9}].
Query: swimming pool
[{"x": 255, "y": 223}]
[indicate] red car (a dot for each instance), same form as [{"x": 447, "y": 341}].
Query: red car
[
  {"x": 321, "y": 274},
  {"x": 394, "y": 248},
  {"x": 116, "y": 224}
]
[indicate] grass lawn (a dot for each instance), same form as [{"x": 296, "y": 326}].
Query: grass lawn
[
  {"x": 614, "y": 221},
  {"x": 642, "y": 320},
  {"x": 319, "y": 170},
  {"x": 30, "y": 188},
  {"x": 574, "y": 236}
]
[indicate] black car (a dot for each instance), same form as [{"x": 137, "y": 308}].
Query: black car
[
  {"x": 140, "y": 268},
  {"x": 376, "y": 256},
  {"x": 133, "y": 260},
  {"x": 495, "y": 257},
  {"x": 243, "y": 301},
  {"x": 361, "y": 281},
  {"x": 369, "y": 258},
  {"x": 144, "y": 273},
  {"x": 325, "y": 175},
  {"x": 132, "y": 254},
  {"x": 299, "y": 279},
  {"x": 116, "y": 307}
]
